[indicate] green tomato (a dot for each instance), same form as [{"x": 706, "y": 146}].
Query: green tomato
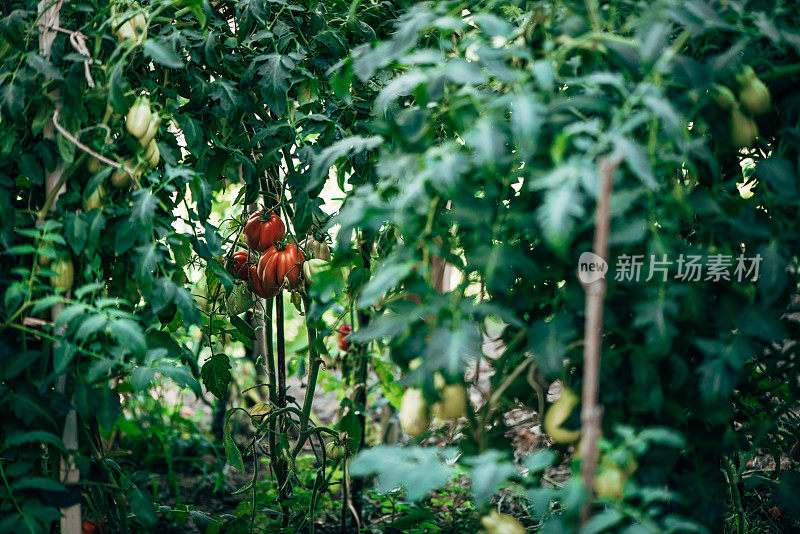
[
  {"x": 95, "y": 200},
  {"x": 414, "y": 413},
  {"x": 64, "y": 274},
  {"x": 312, "y": 267},
  {"x": 557, "y": 415},
  {"x": 335, "y": 451},
  {"x": 138, "y": 118},
  {"x": 743, "y": 129},
  {"x": 753, "y": 94},
  {"x": 152, "y": 130},
  {"x": 610, "y": 483},
  {"x": 496, "y": 523},
  {"x": 453, "y": 403},
  {"x": 153, "y": 155}
]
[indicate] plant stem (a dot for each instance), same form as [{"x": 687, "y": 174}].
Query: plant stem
[{"x": 591, "y": 412}]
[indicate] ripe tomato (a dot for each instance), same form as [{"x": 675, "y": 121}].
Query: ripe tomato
[
  {"x": 259, "y": 287},
  {"x": 261, "y": 230},
  {"x": 281, "y": 264},
  {"x": 237, "y": 265},
  {"x": 344, "y": 331}
]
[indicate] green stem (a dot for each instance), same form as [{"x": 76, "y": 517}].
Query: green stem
[
  {"x": 735, "y": 496},
  {"x": 314, "y": 363}
]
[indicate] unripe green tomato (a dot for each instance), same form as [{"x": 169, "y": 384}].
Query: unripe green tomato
[
  {"x": 723, "y": 96},
  {"x": 610, "y": 483},
  {"x": 453, "y": 403},
  {"x": 239, "y": 300},
  {"x": 138, "y": 118},
  {"x": 125, "y": 31},
  {"x": 318, "y": 249},
  {"x": 335, "y": 451},
  {"x": 94, "y": 165},
  {"x": 312, "y": 267},
  {"x": 496, "y": 523},
  {"x": 753, "y": 94},
  {"x": 64, "y": 274},
  {"x": 95, "y": 200},
  {"x": 152, "y": 129},
  {"x": 414, "y": 413},
  {"x": 153, "y": 155},
  {"x": 120, "y": 178},
  {"x": 743, "y": 129}
]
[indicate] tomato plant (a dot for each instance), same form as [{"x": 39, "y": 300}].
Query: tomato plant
[{"x": 436, "y": 174}]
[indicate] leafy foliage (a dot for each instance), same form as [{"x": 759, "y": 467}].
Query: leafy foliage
[{"x": 466, "y": 134}]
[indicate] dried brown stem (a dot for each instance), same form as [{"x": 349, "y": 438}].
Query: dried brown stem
[{"x": 591, "y": 411}]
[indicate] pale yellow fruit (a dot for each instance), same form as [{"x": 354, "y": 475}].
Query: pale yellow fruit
[
  {"x": 414, "y": 413},
  {"x": 453, "y": 403},
  {"x": 496, "y": 523},
  {"x": 743, "y": 129},
  {"x": 557, "y": 415},
  {"x": 95, "y": 200}
]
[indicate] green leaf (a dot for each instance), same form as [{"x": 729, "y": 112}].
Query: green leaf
[
  {"x": 418, "y": 470},
  {"x": 38, "y": 483},
  {"x": 143, "y": 211},
  {"x": 143, "y": 508},
  {"x": 16, "y": 438},
  {"x": 216, "y": 374},
  {"x": 328, "y": 156},
  {"x": 602, "y": 522},
  {"x": 540, "y": 460},
  {"x": 162, "y": 54},
  {"x": 242, "y": 326},
  {"x": 232, "y": 452},
  {"x": 489, "y": 471},
  {"x": 141, "y": 377},
  {"x": 387, "y": 275}
]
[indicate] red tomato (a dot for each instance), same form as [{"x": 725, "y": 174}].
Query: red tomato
[
  {"x": 774, "y": 512},
  {"x": 281, "y": 264},
  {"x": 259, "y": 288},
  {"x": 237, "y": 265},
  {"x": 90, "y": 527},
  {"x": 262, "y": 231},
  {"x": 344, "y": 331}
]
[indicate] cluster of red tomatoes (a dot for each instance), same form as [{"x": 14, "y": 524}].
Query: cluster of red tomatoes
[{"x": 271, "y": 264}]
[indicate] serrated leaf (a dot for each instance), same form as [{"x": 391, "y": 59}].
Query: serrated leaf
[
  {"x": 387, "y": 275},
  {"x": 216, "y": 374},
  {"x": 162, "y": 54},
  {"x": 418, "y": 470}
]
